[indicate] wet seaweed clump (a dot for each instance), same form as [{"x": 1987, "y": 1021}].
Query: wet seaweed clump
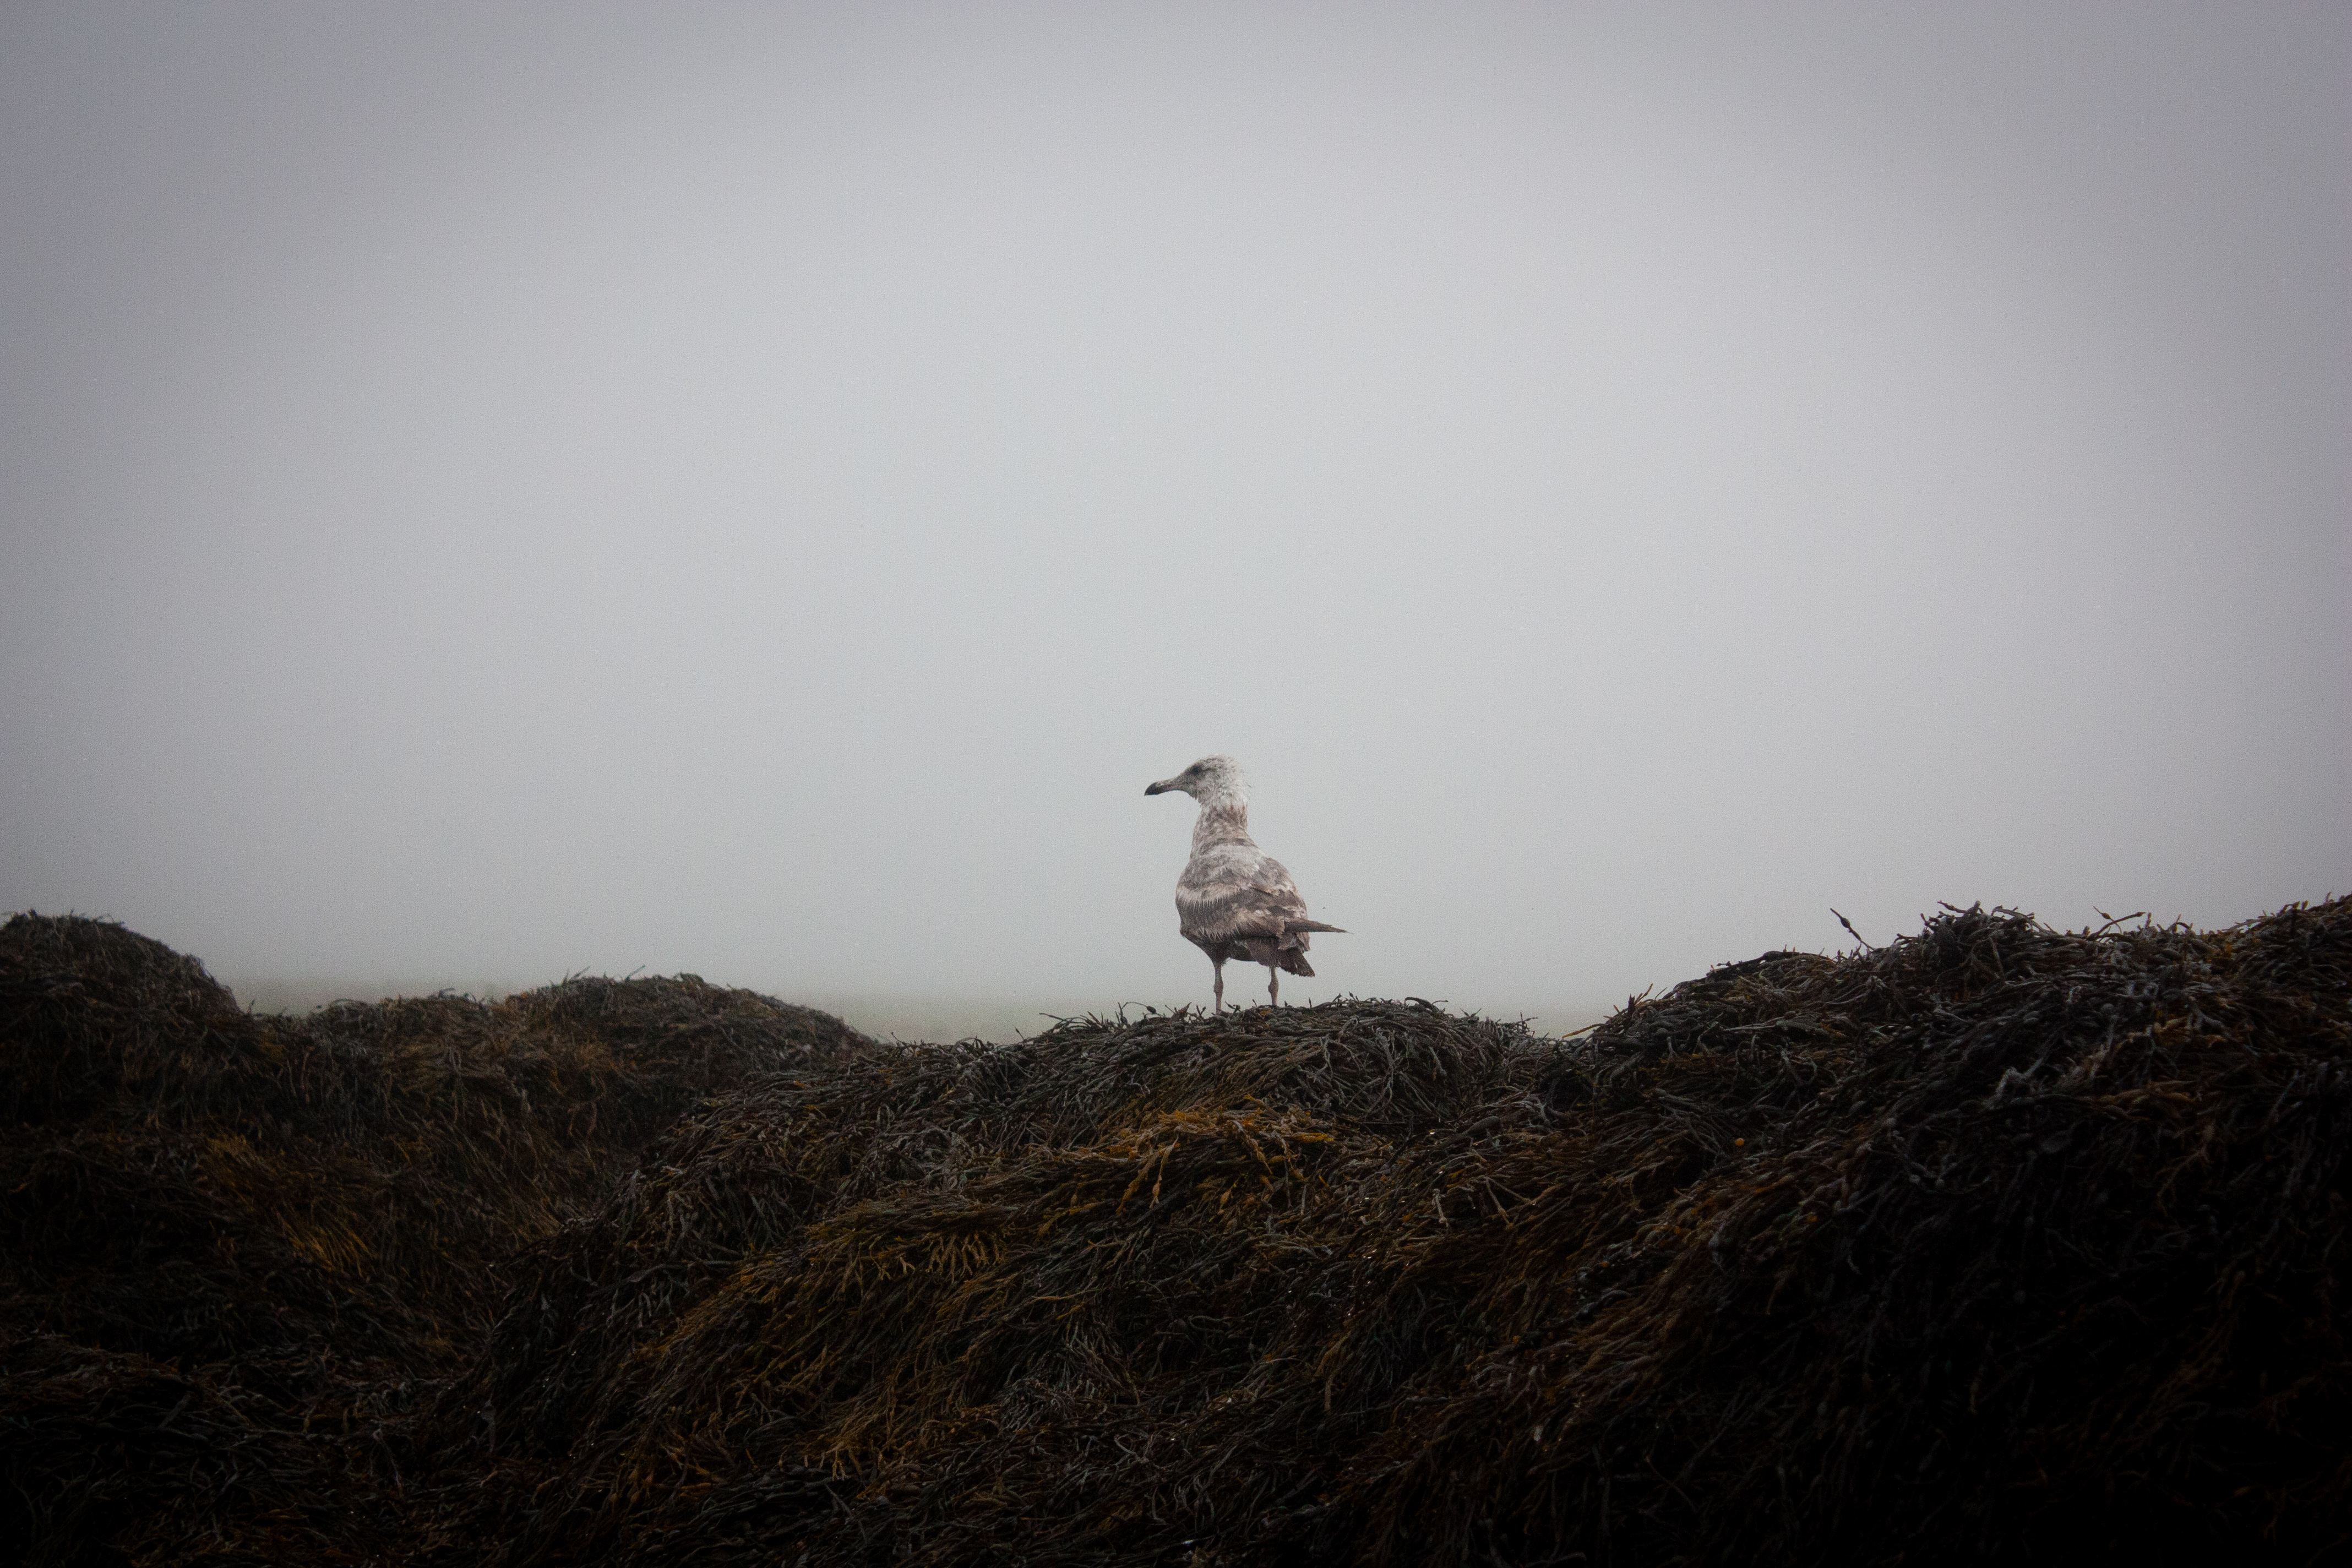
[
  {"x": 234, "y": 1249},
  {"x": 1995, "y": 1242}
]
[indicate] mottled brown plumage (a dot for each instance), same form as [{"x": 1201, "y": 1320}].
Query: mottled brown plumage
[{"x": 1235, "y": 901}]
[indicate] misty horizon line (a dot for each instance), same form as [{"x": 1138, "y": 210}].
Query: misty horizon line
[
  {"x": 913, "y": 1015},
  {"x": 883, "y": 1013}
]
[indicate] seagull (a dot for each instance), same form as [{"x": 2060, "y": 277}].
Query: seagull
[{"x": 1235, "y": 901}]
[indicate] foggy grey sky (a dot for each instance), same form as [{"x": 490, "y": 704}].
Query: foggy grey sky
[{"x": 498, "y": 490}]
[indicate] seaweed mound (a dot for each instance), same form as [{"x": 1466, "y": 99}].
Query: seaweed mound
[
  {"x": 267, "y": 1225},
  {"x": 1996, "y": 1241}
]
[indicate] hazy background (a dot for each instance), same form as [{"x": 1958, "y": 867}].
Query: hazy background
[{"x": 496, "y": 490}]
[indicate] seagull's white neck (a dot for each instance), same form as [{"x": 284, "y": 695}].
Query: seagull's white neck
[{"x": 1223, "y": 819}]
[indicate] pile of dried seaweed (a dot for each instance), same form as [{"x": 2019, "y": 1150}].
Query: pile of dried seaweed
[{"x": 1996, "y": 1241}]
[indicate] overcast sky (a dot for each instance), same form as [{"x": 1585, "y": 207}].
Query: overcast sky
[{"x": 503, "y": 489}]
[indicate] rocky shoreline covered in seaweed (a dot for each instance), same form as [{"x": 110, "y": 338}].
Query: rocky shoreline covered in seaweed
[{"x": 1995, "y": 1241}]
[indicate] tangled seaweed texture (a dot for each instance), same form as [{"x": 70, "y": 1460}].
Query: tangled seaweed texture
[
  {"x": 233, "y": 1251},
  {"x": 1998, "y": 1241}
]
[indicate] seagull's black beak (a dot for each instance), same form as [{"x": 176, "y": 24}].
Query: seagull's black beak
[{"x": 1163, "y": 787}]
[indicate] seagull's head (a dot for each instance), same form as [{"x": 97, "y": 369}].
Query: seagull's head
[{"x": 1211, "y": 781}]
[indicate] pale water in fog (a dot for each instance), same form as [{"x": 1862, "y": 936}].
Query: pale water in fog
[{"x": 490, "y": 491}]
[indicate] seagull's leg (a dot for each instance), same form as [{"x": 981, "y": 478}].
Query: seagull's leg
[
  {"x": 1273, "y": 987},
  {"x": 1220, "y": 965}
]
